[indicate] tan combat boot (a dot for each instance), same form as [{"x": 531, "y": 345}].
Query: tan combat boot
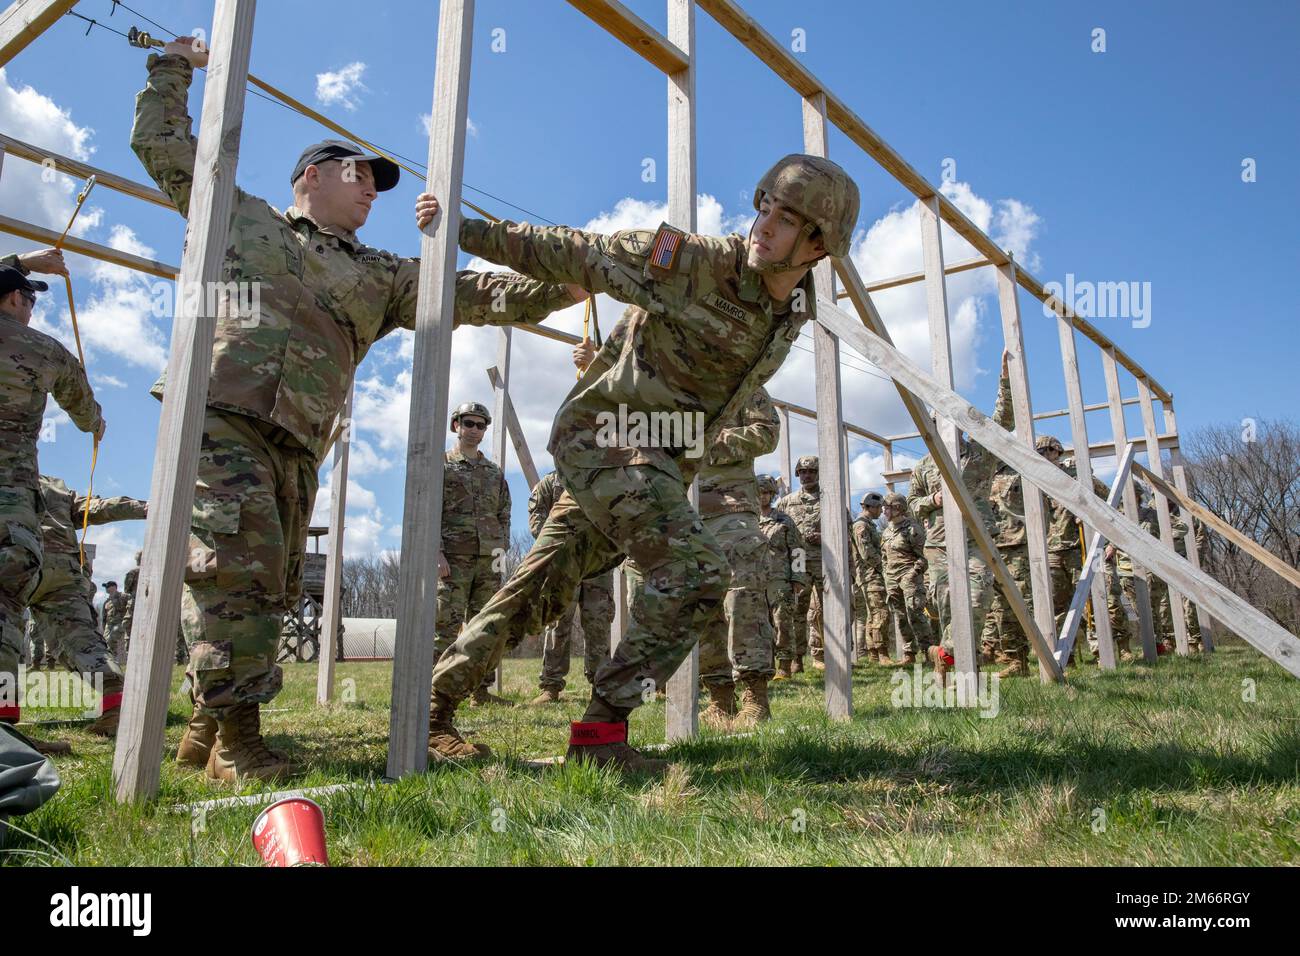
[
  {"x": 482, "y": 698},
  {"x": 445, "y": 741},
  {"x": 782, "y": 670},
  {"x": 197, "y": 741},
  {"x": 240, "y": 751},
  {"x": 754, "y": 708},
  {"x": 883, "y": 659},
  {"x": 796, "y": 666},
  {"x": 549, "y": 695},
  {"x": 908, "y": 659},
  {"x": 1017, "y": 666},
  {"x": 110, "y": 712},
  {"x": 722, "y": 706},
  {"x": 605, "y": 745},
  {"x": 940, "y": 660}
]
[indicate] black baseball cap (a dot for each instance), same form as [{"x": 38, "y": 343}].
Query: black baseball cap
[
  {"x": 386, "y": 171},
  {"x": 12, "y": 279}
]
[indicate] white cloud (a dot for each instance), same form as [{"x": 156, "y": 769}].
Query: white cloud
[
  {"x": 426, "y": 124},
  {"x": 107, "y": 381},
  {"x": 365, "y": 531},
  {"x": 341, "y": 86},
  {"x": 115, "y": 548}
]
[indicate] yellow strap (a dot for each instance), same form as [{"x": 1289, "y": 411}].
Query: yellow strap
[
  {"x": 586, "y": 326},
  {"x": 1087, "y": 606}
]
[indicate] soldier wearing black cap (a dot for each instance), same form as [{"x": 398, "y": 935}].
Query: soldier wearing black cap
[
  {"x": 32, "y": 366},
  {"x": 278, "y": 381}
]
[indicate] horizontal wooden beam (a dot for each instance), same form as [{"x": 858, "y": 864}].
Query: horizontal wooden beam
[
  {"x": 639, "y": 36},
  {"x": 93, "y": 250},
  {"x": 810, "y": 414},
  {"x": 1255, "y": 627},
  {"x": 24, "y": 20},
  {"x": 79, "y": 170},
  {"x": 778, "y": 57},
  {"x": 1094, "y": 449},
  {"x": 1038, "y": 416},
  {"x": 1222, "y": 527},
  {"x": 908, "y": 278}
]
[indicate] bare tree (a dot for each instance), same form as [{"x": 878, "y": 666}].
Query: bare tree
[{"x": 1250, "y": 475}]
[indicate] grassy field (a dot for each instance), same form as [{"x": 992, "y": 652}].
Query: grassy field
[{"x": 1140, "y": 766}]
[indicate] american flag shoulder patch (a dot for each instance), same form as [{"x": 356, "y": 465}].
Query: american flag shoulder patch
[{"x": 665, "y": 248}]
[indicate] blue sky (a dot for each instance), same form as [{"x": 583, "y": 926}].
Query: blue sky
[{"x": 1122, "y": 166}]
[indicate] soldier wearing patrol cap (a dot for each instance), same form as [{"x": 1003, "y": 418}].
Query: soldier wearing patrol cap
[
  {"x": 32, "y": 366},
  {"x": 871, "y": 605},
  {"x": 805, "y": 508},
  {"x": 787, "y": 573},
  {"x": 277, "y": 384},
  {"x": 714, "y": 320},
  {"x": 475, "y": 532}
]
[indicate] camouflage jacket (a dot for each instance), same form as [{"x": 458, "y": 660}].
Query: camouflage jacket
[
  {"x": 541, "y": 500},
  {"x": 978, "y": 466},
  {"x": 1150, "y": 523},
  {"x": 130, "y": 581},
  {"x": 323, "y": 298},
  {"x": 864, "y": 538},
  {"x": 113, "y": 613},
  {"x": 475, "y": 506},
  {"x": 727, "y": 482},
  {"x": 32, "y": 366},
  {"x": 784, "y": 547},
  {"x": 703, "y": 336},
  {"x": 805, "y": 509},
  {"x": 902, "y": 548},
  {"x": 64, "y": 509}
]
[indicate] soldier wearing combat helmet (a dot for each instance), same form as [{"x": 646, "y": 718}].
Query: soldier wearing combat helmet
[
  {"x": 805, "y": 508},
  {"x": 714, "y": 319},
  {"x": 870, "y": 600},
  {"x": 787, "y": 573}
]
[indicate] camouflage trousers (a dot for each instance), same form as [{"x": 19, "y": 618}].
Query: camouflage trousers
[
  {"x": 1002, "y": 631},
  {"x": 637, "y": 511},
  {"x": 594, "y": 613},
  {"x": 781, "y": 604},
  {"x": 248, "y": 533},
  {"x": 981, "y": 590},
  {"x": 1163, "y": 616},
  {"x": 117, "y": 639},
  {"x": 1064, "y": 568},
  {"x": 21, "y": 552},
  {"x": 461, "y": 595},
  {"x": 36, "y": 646},
  {"x": 1121, "y": 627},
  {"x": 63, "y": 615},
  {"x": 808, "y": 617},
  {"x": 740, "y": 641},
  {"x": 877, "y": 623},
  {"x": 905, "y": 598}
]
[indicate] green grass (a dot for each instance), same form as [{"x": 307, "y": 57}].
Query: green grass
[{"x": 1140, "y": 766}]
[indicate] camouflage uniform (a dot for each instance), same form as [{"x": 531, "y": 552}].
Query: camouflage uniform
[
  {"x": 739, "y": 643},
  {"x": 1149, "y": 522},
  {"x": 805, "y": 509},
  {"x": 902, "y": 549},
  {"x": 32, "y": 366},
  {"x": 978, "y": 466},
  {"x": 61, "y": 605},
  {"x": 1160, "y": 595},
  {"x": 113, "y": 621},
  {"x": 594, "y": 607},
  {"x": 703, "y": 336},
  {"x": 1001, "y": 628},
  {"x": 786, "y": 576},
  {"x": 1064, "y": 553},
  {"x": 870, "y": 593},
  {"x": 475, "y": 535},
  {"x": 277, "y": 384}
]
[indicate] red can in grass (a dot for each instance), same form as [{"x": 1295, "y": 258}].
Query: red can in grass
[{"x": 291, "y": 833}]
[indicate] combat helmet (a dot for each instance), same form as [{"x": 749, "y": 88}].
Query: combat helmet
[
  {"x": 469, "y": 408},
  {"x": 820, "y": 191},
  {"x": 807, "y": 461},
  {"x": 895, "y": 499},
  {"x": 1048, "y": 443},
  {"x": 767, "y": 485}
]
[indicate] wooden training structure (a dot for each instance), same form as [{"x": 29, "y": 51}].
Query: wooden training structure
[{"x": 139, "y": 746}]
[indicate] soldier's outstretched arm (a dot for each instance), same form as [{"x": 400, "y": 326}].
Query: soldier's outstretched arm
[
  {"x": 1004, "y": 412},
  {"x": 162, "y": 135},
  {"x": 71, "y": 389},
  {"x": 757, "y": 433},
  {"x": 107, "y": 510},
  {"x": 482, "y": 298}
]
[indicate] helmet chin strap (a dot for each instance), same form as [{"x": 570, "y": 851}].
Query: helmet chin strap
[{"x": 786, "y": 264}]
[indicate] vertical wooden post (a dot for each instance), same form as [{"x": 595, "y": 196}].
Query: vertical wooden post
[
  {"x": 499, "y": 438},
  {"x": 331, "y": 613},
  {"x": 1040, "y": 578},
  {"x": 887, "y": 453},
  {"x": 683, "y": 689},
  {"x": 783, "y": 448},
  {"x": 417, "y": 592},
  {"x": 1119, "y": 432},
  {"x": 936, "y": 295},
  {"x": 837, "y": 629},
  {"x": 137, "y": 756},
  {"x": 1156, "y": 467},
  {"x": 1083, "y": 471},
  {"x": 1193, "y": 552}
]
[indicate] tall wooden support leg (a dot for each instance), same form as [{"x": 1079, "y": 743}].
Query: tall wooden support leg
[
  {"x": 499, "y": 443},
  {"x": 783, "y": 448},
  {"x": 1193, "y": 551},
  {"x": 684, "y": 686},
  {"x": 887, "y": 454},
  {"x": 936, "y": 299},
  {"x": 1035, "y": 520},
  {"x": 332, "y": 610},
  {"x": 1119, "y": 432},
  {"x": 137, "y": 756},
  {"x": 1083, "y": 471},
  {"x": 1162, "y": 510},
  {"x": 417, "y": 593},
  {"x": 837, "y": 629}
]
